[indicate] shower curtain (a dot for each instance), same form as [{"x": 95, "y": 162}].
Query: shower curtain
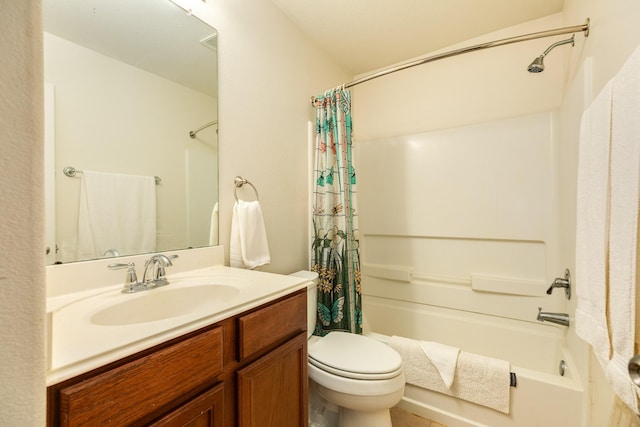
[{"x": 335, "y": 254}]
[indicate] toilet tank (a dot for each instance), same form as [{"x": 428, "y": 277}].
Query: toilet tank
[{"x": 312, "y": 298}]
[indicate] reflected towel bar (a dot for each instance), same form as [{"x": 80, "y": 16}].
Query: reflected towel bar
[{"x": 70, "y": 171}]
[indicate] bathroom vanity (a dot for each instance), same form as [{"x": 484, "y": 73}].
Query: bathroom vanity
[{"x": 244, "y": 364}]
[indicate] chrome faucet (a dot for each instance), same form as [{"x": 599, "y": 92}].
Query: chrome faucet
[
  {"x": 131, "y": 283},
  {"x": 559, "y": 318},
  {"x": 154, "y": 274}
]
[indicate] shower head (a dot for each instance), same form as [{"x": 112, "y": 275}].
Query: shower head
[{"x": 537, "y": 66}]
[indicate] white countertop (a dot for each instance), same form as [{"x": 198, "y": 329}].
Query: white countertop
[{"x": 77, "y": 344}]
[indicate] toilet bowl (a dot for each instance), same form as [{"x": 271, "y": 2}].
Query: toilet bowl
[{"x": 359, "y": 376}]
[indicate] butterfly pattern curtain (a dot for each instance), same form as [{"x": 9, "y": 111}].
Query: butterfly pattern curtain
[{"x": 335, "y": 256}]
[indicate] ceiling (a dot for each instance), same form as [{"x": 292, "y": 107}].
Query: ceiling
[
  {"x": 364, "y": 35},
  {"x": 156, "y": 36}
]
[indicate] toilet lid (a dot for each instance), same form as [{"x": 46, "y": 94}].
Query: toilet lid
[{"x": 355, "y": 356}]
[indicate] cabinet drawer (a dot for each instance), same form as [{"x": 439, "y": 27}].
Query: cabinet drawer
[
  {"x": 269, "y": 325},
  {"x": 134, "y": 390}
]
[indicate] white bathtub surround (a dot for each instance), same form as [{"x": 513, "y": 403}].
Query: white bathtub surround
[
  {"x": 248, "y": 246},
  {"x": 462, "y": 253},
  {"x": 623, "y": 232},
  {"x": 478, "y": 379}
]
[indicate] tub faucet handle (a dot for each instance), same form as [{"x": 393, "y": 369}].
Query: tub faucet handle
[{"x": 560, "y": 282}]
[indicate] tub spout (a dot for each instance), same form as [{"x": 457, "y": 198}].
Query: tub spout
[{"x": 558, "y": 318}]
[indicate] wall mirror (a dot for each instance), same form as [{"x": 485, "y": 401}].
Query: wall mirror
[{"x": 125, "y": 84}]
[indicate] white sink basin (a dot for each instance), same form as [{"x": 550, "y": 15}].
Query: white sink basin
[{"x": 164, "y": 303}]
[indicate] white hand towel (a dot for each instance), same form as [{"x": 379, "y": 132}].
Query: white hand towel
[
  {"x": 116, "y": 212},
  {"x": 623, "y": 237},
  {"x": 213, "y": 229},
  {"x": 443, "y": 357},
  {"x": 592, "y": 225},
  {"x": 248, "y": 246},
  {"x": 478, "y": 379}
]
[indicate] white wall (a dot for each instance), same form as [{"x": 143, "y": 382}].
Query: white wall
[
  {"x": 113, "y": 117},
  {"x": 22, "y": 366}
]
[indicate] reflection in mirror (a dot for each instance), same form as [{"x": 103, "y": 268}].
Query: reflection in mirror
[{"x": 125, "y": 84}]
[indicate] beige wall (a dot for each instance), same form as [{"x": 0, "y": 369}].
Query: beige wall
[{"x": 22, "y": 385}]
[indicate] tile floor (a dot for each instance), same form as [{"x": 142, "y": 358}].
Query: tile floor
[{"x": 402, "y": 418}]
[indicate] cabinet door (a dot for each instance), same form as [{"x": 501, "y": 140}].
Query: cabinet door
[
  {"x": 205, "y": 410},
  {"x": 272, "y": 391}
]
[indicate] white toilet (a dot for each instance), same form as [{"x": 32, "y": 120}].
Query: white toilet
[{"x": 360, "y": 376}]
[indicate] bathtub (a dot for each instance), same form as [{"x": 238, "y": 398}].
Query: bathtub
[{"x": 542, "y": 396}]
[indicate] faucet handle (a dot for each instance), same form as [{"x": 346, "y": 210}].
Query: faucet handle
[
  {"x": 131, "y": 283},
  {"x": 159, "y": 274},
  {"x": 565, "y": 283}
]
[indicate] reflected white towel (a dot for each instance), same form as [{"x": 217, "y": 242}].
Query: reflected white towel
[
  {"x": 248, "y": 246},
  {"x": 116, "y": 212},
  {"x": 623, "y": 232},
  {"x": 213, "y": 229},
  {"x": 443, "y": 357},
  {"x": 478, "y": 379},
  {"x": 592, "y": 225}
]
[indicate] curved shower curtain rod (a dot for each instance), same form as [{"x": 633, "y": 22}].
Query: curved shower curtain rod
[
  {"x": 541, "y": 34},
  {"x": 192, "y": 133}
]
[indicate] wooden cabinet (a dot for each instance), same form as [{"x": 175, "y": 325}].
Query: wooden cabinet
[
  {"x": 206, "y": 410},
  {"x": 272, "y": 391},
  {"x": 249, "y": 370}
]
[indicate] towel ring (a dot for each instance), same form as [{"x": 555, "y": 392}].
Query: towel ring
[{"x": 239, "y": 182}]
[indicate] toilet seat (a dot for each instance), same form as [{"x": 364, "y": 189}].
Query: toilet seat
[{"x": 355, "y": 356}]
